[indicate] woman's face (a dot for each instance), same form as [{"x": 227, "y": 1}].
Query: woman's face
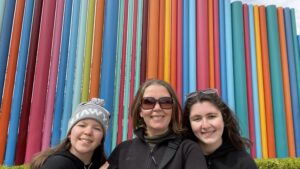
[
  {"x": 207, "y": 124},
  {"x": 85, "y": 137},
  {"x": 158, "y": 118}
]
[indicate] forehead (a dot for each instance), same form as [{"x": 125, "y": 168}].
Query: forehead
[
  {"x": 203, "y": 108},
  {"x": 156, "y": 90},
  {"x": 89, "y": 121}
]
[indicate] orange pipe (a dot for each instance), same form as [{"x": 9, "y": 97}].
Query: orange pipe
[
  {"x": 267, "y": 83},
  {"x": 161, "y": 40},
  {"x": 97, "y": 49},
  {"x": 152, "y": 48}
]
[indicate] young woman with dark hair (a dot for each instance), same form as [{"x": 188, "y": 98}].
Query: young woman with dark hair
[{"x": 210, "y": 122}]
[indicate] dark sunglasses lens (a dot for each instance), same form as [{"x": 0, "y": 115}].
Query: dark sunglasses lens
[
  {"x": 166, "y": 102},
  {"x": 148, "y": 103}
]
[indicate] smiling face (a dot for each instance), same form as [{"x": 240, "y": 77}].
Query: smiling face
[
  {"x": 157, "y": 120},
  {"x": 208, "y": 125},
  {"x": 85, "y": 137}
]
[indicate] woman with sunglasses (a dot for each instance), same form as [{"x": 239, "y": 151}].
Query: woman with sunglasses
[
  {"x": 156, "y": 112},
  {"x": 211, "y": 123}
]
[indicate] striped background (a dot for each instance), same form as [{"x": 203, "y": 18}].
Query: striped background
[{"x": 57, "y": 53}]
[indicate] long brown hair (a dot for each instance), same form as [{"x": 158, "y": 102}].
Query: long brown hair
[
  {"x": 138, "y": 122},
  {"x": 231, "y": 125},
  {"x": 41, "y": 157}
]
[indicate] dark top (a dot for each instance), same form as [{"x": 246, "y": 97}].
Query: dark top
[
  {"x": 228, "y": 157},
  {"x": 138, "y": 154},
  {"x": 66, "y": 160}
]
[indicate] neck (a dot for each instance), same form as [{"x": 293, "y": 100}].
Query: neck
[{"x": 85, "y": 158}]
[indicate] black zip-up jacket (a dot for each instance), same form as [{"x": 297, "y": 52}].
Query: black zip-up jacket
[
  {"x": 137, "y": 154},
  {"x": 66, "y": 160},
  {"x": 228, "y": 157}
]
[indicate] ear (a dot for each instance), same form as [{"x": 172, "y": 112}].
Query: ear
[{"x": 141, "y": 114}]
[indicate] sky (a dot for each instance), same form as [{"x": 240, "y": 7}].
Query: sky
[{"x": 279, "y": 3}]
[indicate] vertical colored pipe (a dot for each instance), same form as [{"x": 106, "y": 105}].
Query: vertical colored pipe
[
  {"x": 29, "y": 77},
  {"x": 67, "y": 109},
  {"x": 144, "y": 43},
  {"x": 192, "y": 46},
  {"x": 88, "y": 50},
  {"x": 34, "y": 139},
  {"x": 60, "y": 89},
  {"x": 108, "y": 62},
  {"x": 19, "y": 85},
  {"x": 216, "y": 19},
  {"x": 53, "y": 74},
  {"x": 139, "y": 41},
  {"x": 261, "y": 95},
  {"x": 2, "y": 7},
  {"x": 78, "y": 75},
  {"x": 123, "y": 65},
  {"x": 118, "y": 75},
  {"x": 128, "y": 69},
  {"x": 248, "y": 79},
  {"x": 276, "y": 80},
  {"x": 185, "y": 47},
  {"x": 97, "y": 49},
  {"x": 254, "y": 80},
  {"x": 133, "y": 66},
  {"x": 167, "y": 42},
  {"x": 10, "y": 75},
  {"x": 222, "y": 50},
  {"x": 161, "y": 39},
  {"x": 267, "y": 83},
  {"x": 239, "y": 68},
  {"x": 202, "y": 44},
  {"x": 229, "y": 55},
  {"x": 286, "y": 83},
  {"x": 211, "y": 54},
  {"x": 153, "y": 37},
  {"x": 179, "y": 45},
  {"x": 5, "y": 40},
  {"x": 297, "y": 63},
  {"x": 173, "y": 40}
]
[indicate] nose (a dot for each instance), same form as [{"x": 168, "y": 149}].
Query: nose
[
  {"x": 205, "y": 123},
  {"x": 88, "y": 130},
  {"x": 156, "y": 106}
]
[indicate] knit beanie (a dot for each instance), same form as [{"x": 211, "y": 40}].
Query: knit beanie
[{"x": 90, "y": 110}]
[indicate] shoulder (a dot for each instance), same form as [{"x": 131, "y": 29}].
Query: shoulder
[
  {"x": 240, "y": 159},
  {"x": 58, "y": 162},
  {"x": 189, "y": 145}
]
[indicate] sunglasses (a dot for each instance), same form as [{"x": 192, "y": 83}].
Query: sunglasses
[
  {"x": 150, "y": 102},
  {"x": 202, "y": 92}
]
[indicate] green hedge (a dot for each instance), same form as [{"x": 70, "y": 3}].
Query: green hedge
[{"x": 276, "y": 163}]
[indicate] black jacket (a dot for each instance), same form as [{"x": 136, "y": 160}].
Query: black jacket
[
  {"x": 66, "y": 160},
  {"x": 228, "y": 157},
  {"x": 136, "y": 154}
]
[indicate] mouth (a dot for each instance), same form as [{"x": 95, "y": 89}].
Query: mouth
[
  {"x": 157, "y": 117},
  {"x": 85, "y": 140},
  {"x": 207, "y": 134}
]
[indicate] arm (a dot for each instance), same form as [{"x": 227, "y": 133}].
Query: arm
[
  {"x": 58, "y": 162},
  {"x": 194, "y": 158}
]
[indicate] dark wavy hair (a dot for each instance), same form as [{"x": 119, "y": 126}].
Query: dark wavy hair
[
  {"x": 231, "y": 125},
  {"x": 99, "y": 157},
  {"x": 138, "y": 122}
]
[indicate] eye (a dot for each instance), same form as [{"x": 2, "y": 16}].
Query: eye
[
  {"x": 196, "y": 118},
  {"x": 211, "y": 116}
]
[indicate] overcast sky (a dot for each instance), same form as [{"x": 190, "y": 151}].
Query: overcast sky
[{"x": 279, "y": 3}]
